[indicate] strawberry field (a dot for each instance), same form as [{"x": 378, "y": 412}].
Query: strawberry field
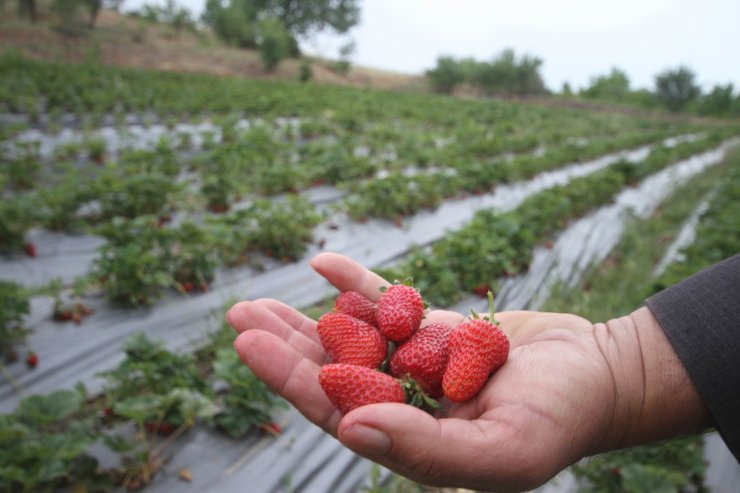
[{"x": 137, "y": 206}]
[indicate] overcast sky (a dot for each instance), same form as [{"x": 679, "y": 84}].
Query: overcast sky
[{"x": 576, "y": 39}]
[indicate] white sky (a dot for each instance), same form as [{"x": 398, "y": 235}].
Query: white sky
[{"x": 577, "y": 39}]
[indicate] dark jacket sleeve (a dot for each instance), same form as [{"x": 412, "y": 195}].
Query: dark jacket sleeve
[{"x": 701, "y": 318}]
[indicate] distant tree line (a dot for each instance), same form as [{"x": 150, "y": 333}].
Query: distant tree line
[
  {"x": 675, "y": 89},
  {"x": 505, "y": 75}
]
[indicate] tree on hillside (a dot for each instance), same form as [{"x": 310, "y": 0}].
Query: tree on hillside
[
  {"x": 718, "y": 101},
  {"x": 508, "y": 76},
  {"x": 177, "y": 16},
  {"x": 235, "y": 21},
  {"x": 676, "y": 88},
  {"x": 93, "y": 8},
  {"x": 445, "y": 75},
  {"x": 614, "y": 86},
  {"x": 27, "y": 9},
  {"x": 274, "y": 42}
]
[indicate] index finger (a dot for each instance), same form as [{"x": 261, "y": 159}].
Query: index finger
[{"x": 347, "y": 275}]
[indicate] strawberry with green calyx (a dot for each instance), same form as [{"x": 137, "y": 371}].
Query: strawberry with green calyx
[
  {"x": 477, "y": 348},
  {"x": 350, "y": 386},
  {"x": 349, "y": 340},
  {"x": 417, "y": 397},
  {"x": 399, "y": 311},
  {"x": 354, "y": 304},
  {"x": 423, "y": 358}
]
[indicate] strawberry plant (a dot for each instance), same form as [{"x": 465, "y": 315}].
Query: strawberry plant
[
  {"x": 130, "y": 195},
  {"x": 14, "y": 306},
  {"x": 170, "y": 414},
  {"x": 97, "y": 149},
  {"x": 334, "y": 163},
  {"x": 22, "y": 172},
  {"x": 277, "y": 229},
  {"x": 134, "y": 266},
  {"x": 60, "y": 203},
  {"x": 194, "y": 258},
  {"x": 282, "y": 230},
  {"x": 388, "y": 198},
  {"x": 140, "y": 386},
  {"x": 44, "y": 446},
  {"x": 17, "y": 215},
  {"x": 161, "y": 160},
  {"x": 247, "y": 402},
  {"x": 278, "y": 177}
]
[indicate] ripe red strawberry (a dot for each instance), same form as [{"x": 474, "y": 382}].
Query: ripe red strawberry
[
  {"x": 399, "y": 313},
  {"x": 32, "y": 360},
  {"x": 477, "y": 348},
  {"x": 424, "y": 358},
  {"x": 354, "y": 304},
  {"x": 272, "y": 428},
  {"x": 349, "y": 340},
  {"x": 350, "y": 386},
  {"x": 30, "y": 249}
]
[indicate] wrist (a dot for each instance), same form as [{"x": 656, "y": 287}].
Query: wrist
[{"x": 655, "y": 397}]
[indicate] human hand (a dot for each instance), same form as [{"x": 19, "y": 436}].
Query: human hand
[{"x": 569, "y": 389}]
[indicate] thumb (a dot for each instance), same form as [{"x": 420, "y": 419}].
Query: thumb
[{"x": 439, "y": 452}]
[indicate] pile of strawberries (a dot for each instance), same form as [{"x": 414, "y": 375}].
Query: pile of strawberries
[{"x": 381, "y": 353}]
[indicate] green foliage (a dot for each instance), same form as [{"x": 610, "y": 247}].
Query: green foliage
[
  {"x": 446, "y": 75},
  {"x": 14, "y": 306},
  {"x": 18, "y": 214},
  {"x": 508, "y": 76},
  {"x": 505, "y": 75},
  {"x": 125, "y": 194},
  {"x": 343, "y": 64},
  {"x": 611, "y": 87},
  {"x": 305, "y": 73},
  {"x": 236, "y": 21},
  {"x": 719, "y": 101},
  {"x": 44, "y": 446},
  {"x": 274, "y": 42},
  {"x": 494, "y": 245},
  {"x": 21, "y": 172},
  {"x": 718, "y": 233},
  {"x": 282, "y": 230},
  {"x": 69, "y": 20},
  {"x": 278, "y": 230},
  {"x": 676, "y": 88},
  {"x": 669, "y": 468},
  {"x": 248, "y": 403},
  {"x": 142, "y": 259},
  {"x": 233, "y": 22},
  {"x": 151, "y": 370}
]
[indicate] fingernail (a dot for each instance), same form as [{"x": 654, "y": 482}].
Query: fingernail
[{"x": 365, "y": 439}]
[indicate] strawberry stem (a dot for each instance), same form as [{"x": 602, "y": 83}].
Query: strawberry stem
[{"x": 490, "y": 303}]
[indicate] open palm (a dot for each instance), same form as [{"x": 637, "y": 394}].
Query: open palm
[{"x": 553, "y": 402}]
